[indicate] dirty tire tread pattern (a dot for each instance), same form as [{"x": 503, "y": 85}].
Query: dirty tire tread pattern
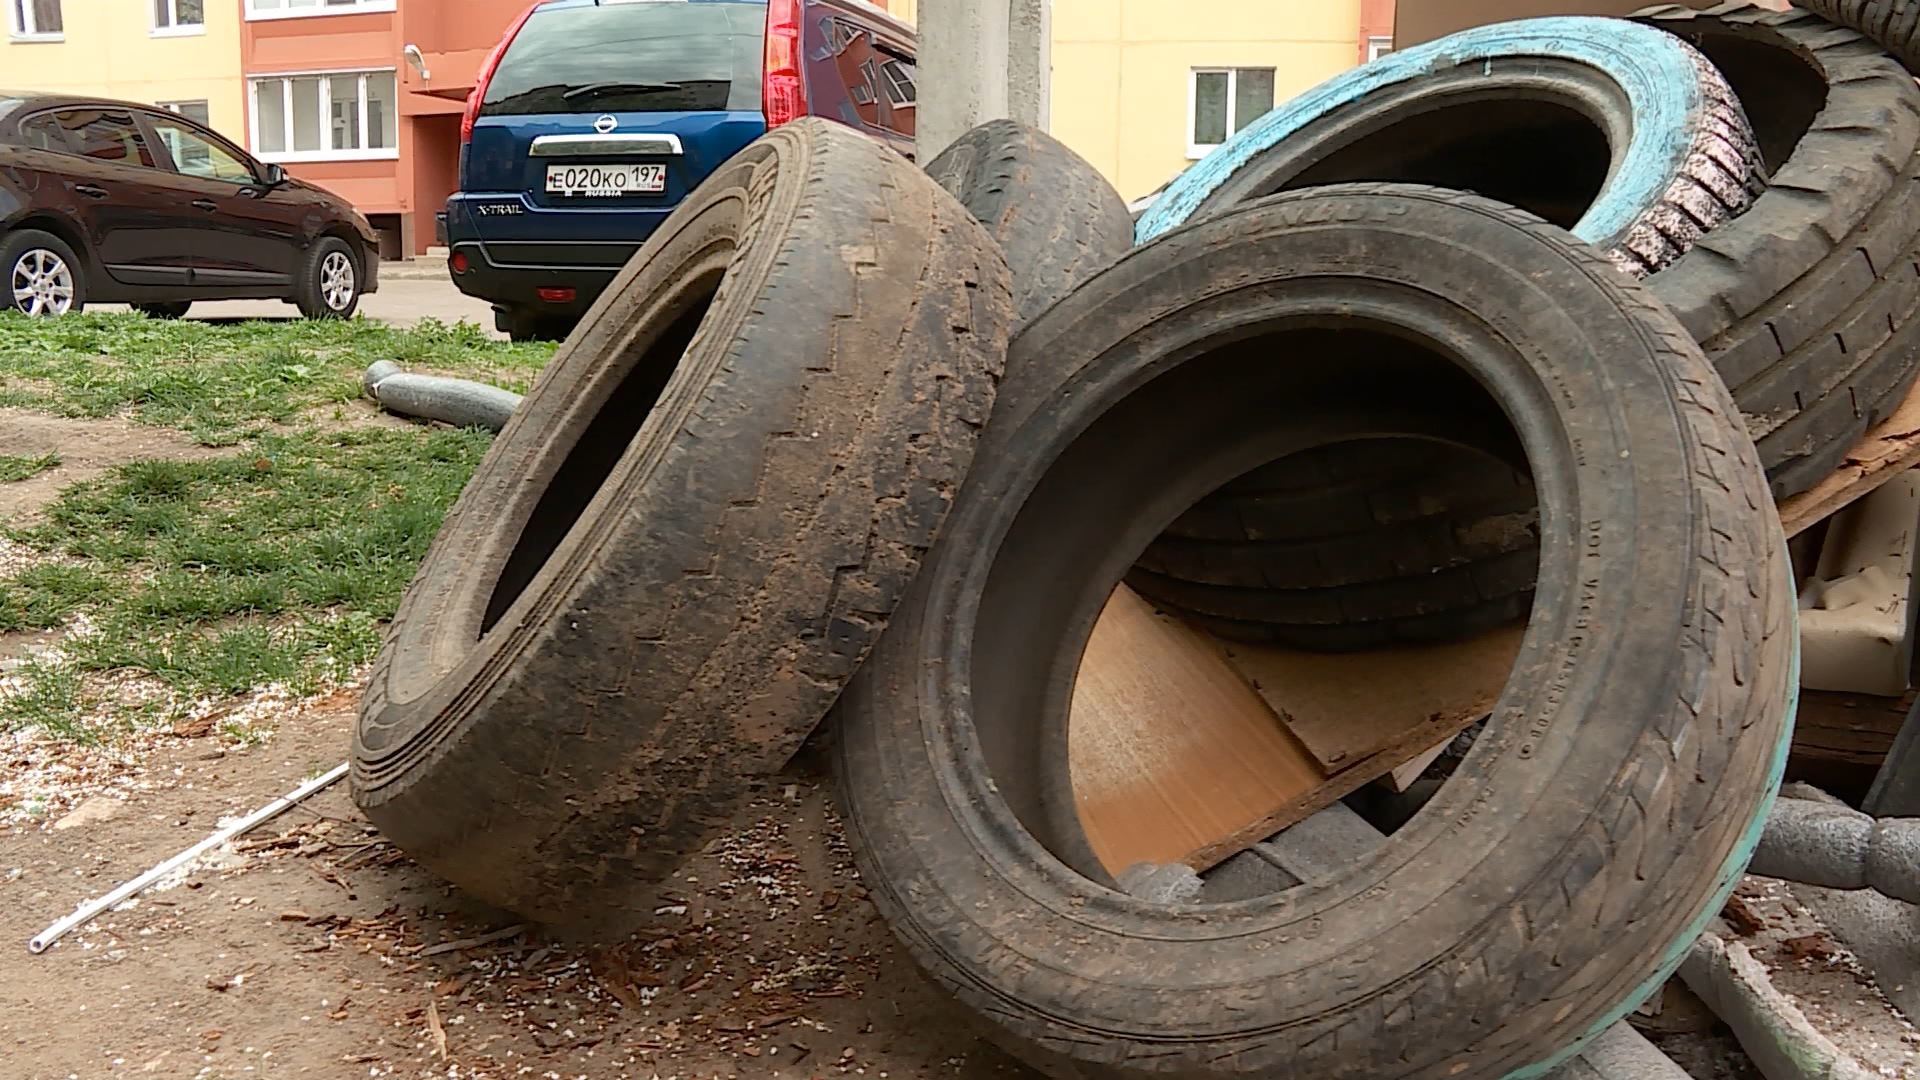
[
  {"x": 1560, "y": 958},
  {"x": 817, "y": 428},
  {"x": 1774, "y": 296},
  {"x": 1893, "y": 24},
  {"x": 1054, "y": 215}
]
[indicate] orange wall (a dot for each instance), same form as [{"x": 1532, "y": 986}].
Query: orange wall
[
  {"x": 1376, "y": 20},
  {"x": 453, "y": 35}
]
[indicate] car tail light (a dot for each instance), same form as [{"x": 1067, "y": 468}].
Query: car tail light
[
  {"x": 783, "y": 96},
  {"x": 487, "y": 67},
  {"x": 557, "y": 296},
  {"x": 458, "y": 262}
]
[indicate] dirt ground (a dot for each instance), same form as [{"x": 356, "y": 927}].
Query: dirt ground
[
  {"x": 311, "y": 948},
  {"x": 87, "y": 448}
]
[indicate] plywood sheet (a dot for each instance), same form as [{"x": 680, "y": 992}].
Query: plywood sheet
[
  {"x": 1171, "y": 749},
  {"x": 1352, "y": 706},
  {"x": 1887, "y": 451},
  {"x": 1177, "y": 758}
]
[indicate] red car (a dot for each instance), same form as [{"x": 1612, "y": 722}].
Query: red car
[{"x": 113, "y": 202}]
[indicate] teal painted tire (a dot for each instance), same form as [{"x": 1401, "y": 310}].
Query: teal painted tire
[{"x": 1624, "y": 135}]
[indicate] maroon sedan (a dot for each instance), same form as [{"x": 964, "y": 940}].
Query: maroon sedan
[{"x": 112, "y": 202}]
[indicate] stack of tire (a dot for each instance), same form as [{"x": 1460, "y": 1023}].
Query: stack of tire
[{"x": 850, "y": 437}]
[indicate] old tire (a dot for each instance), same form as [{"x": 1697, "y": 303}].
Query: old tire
[
  {"x": 1353, "y": 546},
  {"x": 690, "y": 533},
  {"x": 1057, "y": 219},
  {"x": 1893, "y": 24},
  {"x": 1598, "y": 823},
  {"x": 1638, "y": 145},
  {"x": 1807, "y": 303}
]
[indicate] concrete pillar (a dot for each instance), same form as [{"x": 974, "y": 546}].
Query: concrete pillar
[{"x": 980, "y": 60}]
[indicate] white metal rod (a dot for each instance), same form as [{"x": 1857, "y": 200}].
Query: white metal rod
[{"x": 88, "y": 911}]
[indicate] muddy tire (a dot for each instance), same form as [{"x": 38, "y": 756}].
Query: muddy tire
[
  {"x": 690, "y": 534},
  {"x": 1057, "y": 219},
  {"x": 1809, "y": 304},
  {"x": 1892, "y": 24},
  {"x": 1596, "y": 826},
  {"x": 1638, "y": 143}
]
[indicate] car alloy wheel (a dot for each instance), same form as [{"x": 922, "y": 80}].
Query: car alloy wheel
[
  {"x": 336, "y": 281},
  {"x": 42, "y": 283}
]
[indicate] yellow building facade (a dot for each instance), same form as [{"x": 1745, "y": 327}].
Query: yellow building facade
[
  {"x": 1141, "y": 88},
  {"x": 184, "y": 54}
]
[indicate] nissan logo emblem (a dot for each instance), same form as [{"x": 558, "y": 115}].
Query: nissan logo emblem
[{"x": 605, "y": 124}]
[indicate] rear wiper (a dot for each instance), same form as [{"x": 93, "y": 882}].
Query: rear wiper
[{"x": 595, "y": 89}]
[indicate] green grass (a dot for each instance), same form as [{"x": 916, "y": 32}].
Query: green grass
[
  {"x": 277, "y": 562},
  {"x": 225, "y": 383},
  {"x": 14, "y": 468},
  {"x": 216, "y": 577}
]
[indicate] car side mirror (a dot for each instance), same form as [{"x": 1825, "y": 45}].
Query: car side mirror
[{"x": 274, "y": 175}]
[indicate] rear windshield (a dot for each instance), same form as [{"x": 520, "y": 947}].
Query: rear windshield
[{"x": 646, "y": 56}]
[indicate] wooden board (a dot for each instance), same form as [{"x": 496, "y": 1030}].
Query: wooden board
[
  {"x": 1176, "y": 757},
  {"x": 1352, "y": 706},
  {"x": 1170, "y": 748},
  {"x": 1887, "y": 451}
]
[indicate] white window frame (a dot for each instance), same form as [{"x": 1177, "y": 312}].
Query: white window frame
[
  {"x": 17, "y": 30},
  {"x": 359, "y": 7},
  {"x": 174, "y": 27},
  {"x": 1378, "y": 46},
  {"x": 1198, "y": 150},
  {"x": 174, "y": 107},
  {"x": 326, "y": 153}
]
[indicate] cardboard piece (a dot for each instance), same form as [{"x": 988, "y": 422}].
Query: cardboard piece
[
  {"x": 1170, "y": 748},
  {"x": 1352, "y": 706},
  {"x": 1885, "y": 453},
  {"x": 1177, "y": 758}
]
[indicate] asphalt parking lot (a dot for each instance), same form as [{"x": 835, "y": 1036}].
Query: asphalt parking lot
[{"x": 408, "y": 293}]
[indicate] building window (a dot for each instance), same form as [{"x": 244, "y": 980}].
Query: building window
[
  {"x": 1378, "y": 47},
  {"x": 37, "y": 19},
  {"x": 1225, "y": 100},
  {"x": 295, "y": 9},
  {"x": 179, "y": 17},
  {"x": 192, "y": 110},
  {"x": 334, "y": 116}
]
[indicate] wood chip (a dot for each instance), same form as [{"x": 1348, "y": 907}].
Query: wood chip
[
  {"x": 434, "y": 1029},
  {"x": 513, "y": 931},
  {"x": 295, "y": 915},
  {"x": 1745, "y": 921}
]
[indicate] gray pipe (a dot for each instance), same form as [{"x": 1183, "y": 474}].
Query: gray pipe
[
  {"x": 1838, "y": 847},
  {"x": 459, "y": 402}
]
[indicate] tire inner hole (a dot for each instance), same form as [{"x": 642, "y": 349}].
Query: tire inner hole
[
  {"x": 1473, "y": 145},
  {"x": 1170, "y": 746},
  {"x": 604, "y": 440}
]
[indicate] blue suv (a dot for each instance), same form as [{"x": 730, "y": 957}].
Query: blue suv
[{"x": 592, "y": 119}]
